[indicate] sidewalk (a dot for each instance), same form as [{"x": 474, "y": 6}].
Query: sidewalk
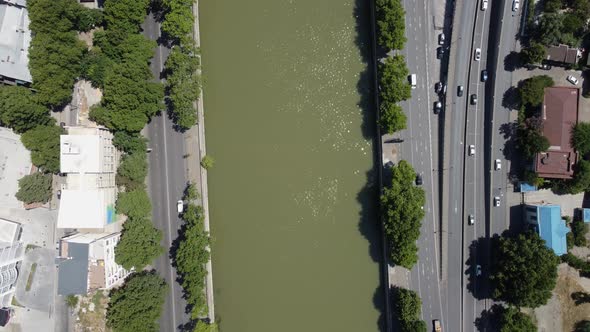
[{"x": 195, "y": 146}]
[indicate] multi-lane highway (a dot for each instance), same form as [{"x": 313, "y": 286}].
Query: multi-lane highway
[{"x": 166, "y": 182}]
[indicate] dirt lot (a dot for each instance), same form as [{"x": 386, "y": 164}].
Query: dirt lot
[
  {"x": 91, "y": 311},
  {"x": 570, "y": 302}
]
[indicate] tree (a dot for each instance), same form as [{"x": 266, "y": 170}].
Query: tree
[
  {"x": 573, "y": 24},
  {"x": 202, "y": 326},
  {"x": 130, "y": 143},
  {"x": 179, "y": 20},
  {"x": 524, "y": 270},
  {"x": 407, "y": 308},
  {"x": 392, "y": 118},
  {"x": 552, "y": 6},
  {"x": 391, "y": 24},
  {"x": 183, "y": 85},
  {"x": 94, "y": 66},
  {"x": 579, "y": 230},
  {"x": 190, "y": 258},
  {"x": 402, "y": 212},
  {"x": 512, "y": 320},
  {"x": 20, "y": 111},
  {"x": 530, "y": 139},
  {"x": 72, "y": 301},
  {"x": 583, "y": 326},
  {"x": 549, "y": 29},
  {"x": 581, "y": 137},
  {"x": 88, "y": 18},
  {"x": 139, "y": 244},
  {"x": 134, "y": 204},
  {"x": 34, "y": 188},
  {"x": 581, "y": 180},
  {"x": 132, "y": 171},
  {"x": 532, "y": 90},
  {"x": 137, "y": 305},
  {"x": 43, "y": 142},
  {"x": 125, "y": 15},
  {"x": 191, "y": 193},
  {"x": 393, "y": 83},
  {"x": 535, "y": 53},
  {"x": 207, "y": 162}
]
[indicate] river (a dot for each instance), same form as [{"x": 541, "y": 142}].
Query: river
[{"x": 292, "y": 195}]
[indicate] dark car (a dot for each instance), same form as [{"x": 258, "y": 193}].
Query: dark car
[
  {"x": 546, "y": 66},
  {"x": 419, "y": 179},
  {"x": 438, "y": 87},
  {"x": 460, "y": 91},
  {"x": 59, "y": 194},
  {"x": 440, "y": 52},
  {"x": 473, "y": 99},
  {"x": 437, "y": 107},
  {"x": 484, "y": 75}
]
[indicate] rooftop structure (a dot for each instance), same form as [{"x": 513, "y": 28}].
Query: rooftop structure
[
  {"x": 15, "y": 39},
  {"x": 563, "y": 54},
  {"x": 12, "y": 252},
  {"x": 559, "y": 114},
  {"x": 90, "y": 161},
  {"x": 546, "y": 219},
  {"x": 88, "y": 263}
]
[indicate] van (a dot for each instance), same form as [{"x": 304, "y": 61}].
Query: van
[{"x": 413, "y": 81}]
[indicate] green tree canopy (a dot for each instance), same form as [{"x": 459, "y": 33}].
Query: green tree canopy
[
  {"x": 94, "y": 67},
  {"x": 34, "y": 188},
  {"x": 392, "y": 118},
  {"x": 581, "y": 137},
  {"x": 524, "y": 270},
  {"x": 132, "y": 171},
  {"x": 579, "y": 230},
  {"x": 535, "y": 53},
  {"x": 43, "y": 142},
  {"x": 125, "y": 15},
  {"x": 532, "y": 90},
  {"x": 407, "y": 308},
  {"x": 137, "y": 305},
  {"x": 512, "y": 320},
  {"x": 581, "y": 180},
  {"x": 183, "y": 84},
  {"x": 549, "y": 29},
  {"x": 130, "y": 143},
  {"x": 530, "y": 139},
  {"x": 139, "y": 244},
  {"x": 402, "y": 214},
  {"x": 582, "y": 326},
  {"x": 179, "y": 20},
  {"x": 20, "y": 111},
  {"x": 134, "y": 204},
  {"x": 391, "y": 24},
  {"x": 205, "y": 327},
  {"x": 393, "y": 80}
]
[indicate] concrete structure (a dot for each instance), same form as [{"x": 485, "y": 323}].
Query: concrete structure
[
  {"x": 15, "y": 162},
  {"x": 88, "y": 263},
  {"x": 90, "y": 161},
  {"x": 563, "y": 54},
  {"x": 15, "y": 39},
  {"x": 12, "y": 251},
  {"x": 559, "y": 114},
  {"x": 546, "y": 219}
]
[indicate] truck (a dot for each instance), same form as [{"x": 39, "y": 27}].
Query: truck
[{"x": 437, "y": 327}]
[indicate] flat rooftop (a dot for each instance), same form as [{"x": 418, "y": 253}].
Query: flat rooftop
[{"x": 15, "y": 39}]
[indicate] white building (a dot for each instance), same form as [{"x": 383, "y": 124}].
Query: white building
[
  {"x": 89, "y": 160},
  {"x": 15, "y": 39},
  {"x": 12, "y": 251},
  {"x": 88, "y": 263}
]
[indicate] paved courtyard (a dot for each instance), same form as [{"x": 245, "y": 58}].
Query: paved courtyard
[{"x": 15, "y": 162}]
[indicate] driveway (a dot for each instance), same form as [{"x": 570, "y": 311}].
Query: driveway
[{"x": 40, "y": 295}]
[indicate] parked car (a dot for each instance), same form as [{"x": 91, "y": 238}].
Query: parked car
[
  {"x": 474, "y": 99},
  {"x": 438, "y": 87},
  {"x": 471, "y": 150},
  {"x": 484, "y": 4},
  {"x": 572, "y": 80},
  {"x": 437, "y": 107},
  {"x": 419, "y": 179},
  {"x": 477, "y": 54},
  {"x": 484, "y": 75},
  {"x": 440, "y": 52},
  {"x": 441, "y": 39},
  {"x": 546, "y": 66},
  {"x": 471, "y": 219},
  {"x": 498, "y": 164},
  {"x": 59, "y": 194},
  {"x": 515, "y": 5},
  {"x": 460, "y": 91},
  {"x": 478, "y": 270},
  {"x": 496, "y": 201},
  {"x": 179, "y": 206}
]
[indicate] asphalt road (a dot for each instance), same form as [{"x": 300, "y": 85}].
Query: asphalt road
[
  {"x": 166, "y": 182},
  {"x": 420, "y": 148}
]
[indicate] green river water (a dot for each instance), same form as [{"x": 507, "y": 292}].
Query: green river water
[{"x": 292, "y": 197}]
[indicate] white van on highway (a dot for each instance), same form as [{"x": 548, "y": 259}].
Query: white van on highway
[{"x": 413, "y": 81}]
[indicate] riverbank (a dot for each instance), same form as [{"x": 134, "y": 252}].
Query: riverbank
[{"x": 195, "y": 143}]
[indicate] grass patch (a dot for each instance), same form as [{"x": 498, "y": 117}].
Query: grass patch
[
  {"x": 96, "y": 299},
  {"x": 31, "y": 247},
  {"x": 31, "y": 276},
  {"x": 15, "y": 303}
]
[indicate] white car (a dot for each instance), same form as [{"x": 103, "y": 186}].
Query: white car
[
  {"x": 477, "y": 54},
  {"x": 496, "y": 201},
  {"x": 471, "y": 150},
  {"x": 515, "y": 5},
  {"x": 498, "y": 164},
  {"x": 572, "y": 80},
  {"x": 441, "y": 39},
  {"x": 179, "y": 206},
  {"x": 471, "y": 220},
  {"x": 484, "y": 4}
]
